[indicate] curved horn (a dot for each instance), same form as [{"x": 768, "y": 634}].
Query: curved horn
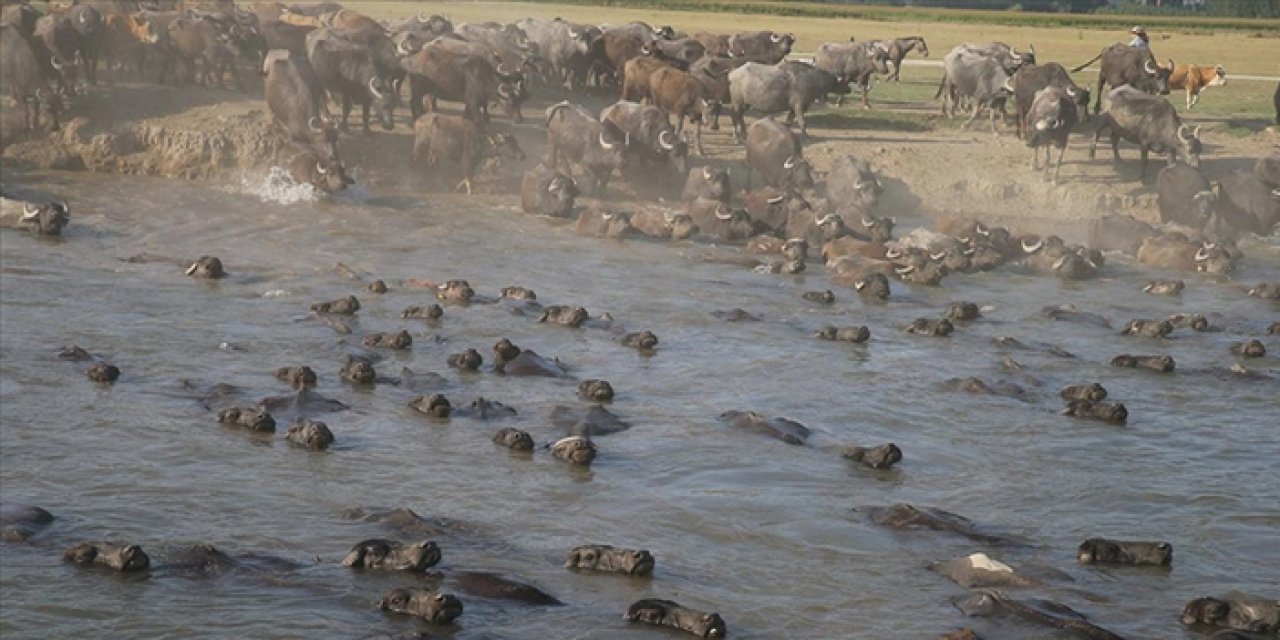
[
  {"x": 775, "y": 199},
  {"x": 1008, "y": 84},
  {"x": 937, "y": 256},
  {"x": 1181, "y": 129},
  {"x": 1195, "y": 133},
  {"x": 775, "y": 38},
  {"x": 502, "y": 69},
  {"x": 54, "y": 61},
  {"x": 83, "y": 18},
  {"x": 1149, "y": 66},
  {"x": 608, "y": 146},
  {"x": 981, "y": 229},
  {"x": 607, "y": 215},
  {"x": 374, "y": 90},
  {"x": 662, "y": 140},
  {"x": 789, "y": 163},
  {"x": 824, "y": 219},
  {"x": 504, "y": 90},
  {"x": 893, "y": 253},
  {"x": 313, "y": 126},
  {"x": 1032, "y": 248},
  {"x": 29, "y": 212},
  {"x": 1071, "y": 92},
  {"x": 708, "y": 173},
  {"x": 1013, "y": 51},
  {"x": 192, "y": 269},
  {"x": 1202, "y": 255},
  {"x": 902, "y": 271},
  {"x": 728, "y": 215},
  {"x": 868, "y": 222},
  {"x": 1057, "y": 264},
  {"x": 320, "y": 169},
  {"x": 668, "y": 217},
  {"x": 402, "y": 50}
]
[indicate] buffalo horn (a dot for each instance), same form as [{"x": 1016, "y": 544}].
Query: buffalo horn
[
  {"x": 29, "y": 212},
  {"x": 937, "y": 256},
  {"x": 708, "y": 173},
  {"x": 192, "y": 269},
  {"x": 789, "y": 163},
  {"x": 902, "y": 271},
  {"x": 662, "y": 140},
  {"x": 373, "y": 89},
  {"x": 608, "y": 146},
  {"x": 775, "y": 37},
  {"x": 1026, "y": 248},
  {"x": 824, "y": 219},
  {"x": 727, "y": 215},
  {"x": 868, "y": 222},
  {"x": 1201, "y": 255},
  {"x": 54, "y": 61},
  {"x": 320, "y": 169},
  {"x": 775, "y": 199},
  {"x": 311, "y": 124},
  {"x": 1150, "y": 67},
  {"x": 1057, "y": 264}
]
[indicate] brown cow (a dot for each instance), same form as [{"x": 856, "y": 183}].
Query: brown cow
[
  {"x": 682, "y": 95},
  {"x": 618, "y": 47},
  {"x": 635, "y": 78},
  {"x": 1194, "y": 79},
  {"x": 715, "y": 44},
  {"x": 456, "y": 140}
]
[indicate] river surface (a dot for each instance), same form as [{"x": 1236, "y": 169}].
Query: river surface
[{"x": 765, "y": 533}]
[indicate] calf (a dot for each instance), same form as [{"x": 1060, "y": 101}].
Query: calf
[{"x": 461, "y": 143}]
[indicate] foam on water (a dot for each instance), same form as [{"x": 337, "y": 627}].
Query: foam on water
[{"x": 278, "y": 186}]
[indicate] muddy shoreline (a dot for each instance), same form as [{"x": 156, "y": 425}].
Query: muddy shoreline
[{"x": 219, "y": 135}]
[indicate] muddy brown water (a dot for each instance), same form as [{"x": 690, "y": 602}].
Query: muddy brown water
[{"x": 762, "y": 532}]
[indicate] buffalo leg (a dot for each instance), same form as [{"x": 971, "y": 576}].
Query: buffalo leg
[
  {"x": 1142, "y": 172},
  {"x": 1035, "y": 158},
  {"x": 1097, "y": 101},
  {"x": 697, "y": 137},
  {"x": 977, "y": 106},
  {"x": 1062, "y": 151},
  {"x": 346, "y": 113},
  {"x": 364, "y": 116},
  {"x": 1115, "y": 147},
  {"x": 866, "y": 87}
]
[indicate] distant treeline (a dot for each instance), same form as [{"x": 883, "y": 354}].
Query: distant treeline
[
  {"x": 1223, "y": 8},
  {"x": 1263, "y": 22}
]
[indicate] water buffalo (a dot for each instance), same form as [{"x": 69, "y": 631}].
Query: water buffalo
[
  {"x": 565, "y": 48},
  {"x": 1250, "y": 349},
  {"x": 784, "y": 429},
  {"x": 435, "y": 405},
  {"x": 207, "y": 267},
  {"x": 614, "y": 48},
  {"x": 1147, "y": 328},
  {"x": 564, "y": 315},
  {"x": 679, "y": 52},
  {"x": 775, "y": 153},
  {"x": 297, "y": 377},
  {"x": 989, "y": 603},
  {"x": 709, "y": 183},
  {"x": 763, "y": 47},
  {"x": 662, "y": 224},
  {"x": 788, "y": 86},
  {"x": 392, "y": 556},
  {"x": 547, "y": 192},
  {"x": 1242, "y": 614},
  {"x": 1185, "y": 196},
  {"x": 42, "y": 219},
  {"x": 447, "y": 69},
  {"x": 639, "y": 340},
  {"x": 1031, "y": 79},
  {"x": 852, "y": 64},
  {"x": 1133, "y": 66},
  {"x": 928, "y": 327},
  {"x": 637, "y": 71},
  {"x": 251, "y": 418},
  {"x": 1050, "y": 120},
  {"x": 1162, "y": 364},
  {"x": 19, "y": 523},
  {"x": 575, "y": 136},
  {"x": 327, "y": 174},
  {"x": 714, "y": 45},
  {"x": 1173, "y": 250},
  {"x": 348, "y": 70},
  {"x": 854, "y": 191},
  {"x": 1244, "y": 203},
  {"x": 57, "y": 44},
  {"x": 514, "y": 439},
  {"x": 459, "y": 143},
  {"x": 577, "y": 450},
  {"x": 358, "y": 370},
  {"x": 712, "y": 73},
  {"x": 1115, "y": 413},
  {"x": 1149, "y": 122},
  {"x": 606, "y": 558},
  {"x": 1164, "y": 287},
  {"x": 667, "y": 613},
  {"x": 121, "y": 557},
  {"x": 602, "y": 222},
  {"x": 1103, "y": 551},
  {"x": 771, "y": 208},
  {"x": 309, "y": 434},
  {"x": 22, "y": 16},
  {"x": 881, "y": 457},
  {"x": 986, "y": 81},
  {"x": 432, "y": 606},
  {"x": 652, "y": 140},
  {"x": 296, "y": 101}
]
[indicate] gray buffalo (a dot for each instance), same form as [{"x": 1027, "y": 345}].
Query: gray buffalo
[
  {"x": 790, "y": 87},
  {"x": 1149, "y": 122}
]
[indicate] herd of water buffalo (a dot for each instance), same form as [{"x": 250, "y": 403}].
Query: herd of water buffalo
[{"x": 312, "y": 54}]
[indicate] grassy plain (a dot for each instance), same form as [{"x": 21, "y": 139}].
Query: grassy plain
[{"x": 1241, "y": 103}]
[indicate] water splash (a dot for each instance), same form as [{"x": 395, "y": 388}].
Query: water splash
[{"x": 278, "y": 186}]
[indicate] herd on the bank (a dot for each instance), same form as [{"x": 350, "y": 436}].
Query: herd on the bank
[{"x": 311, "y": 54}]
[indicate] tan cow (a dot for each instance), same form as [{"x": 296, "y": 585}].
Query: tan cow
[{"x": 1195, "y": 78}]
